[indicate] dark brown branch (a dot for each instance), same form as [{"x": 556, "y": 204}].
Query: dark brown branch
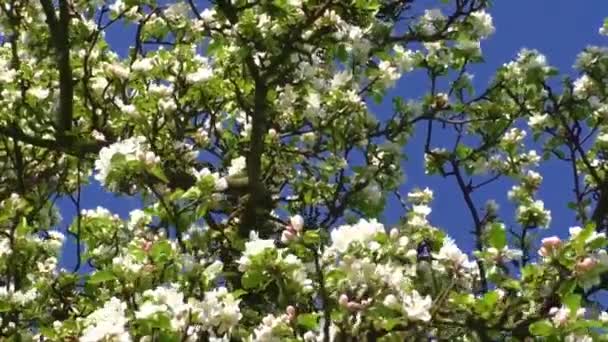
[
  {"x": 77, "y": 149},
  {"x": 59, "y": 29}
]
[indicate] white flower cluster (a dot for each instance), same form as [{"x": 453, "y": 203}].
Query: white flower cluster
[
  {"x": 526, "y": 61},
  {"x": 203, "y": 72},
  {"x": 128, "y": 263},
  {"x": 355, "y": 38},
  {"x": 54, "y": 241},
  {"x": 7, "y": 74},
  {"x": 107, "y": 323},
  {"x": 5, "y": 246},
  {"x": 135, "y": 148},
  {"x": 416, "y": 307},
  {"x": 539, "y": 121},
  {"x": 237, "y": 166},
  {"x": 219, "y": 310},
  {"x": 143, "y": 65},
  {"x": 19, "y": 297},
  {"x": 533, "y": 213},
  {"x": 455, "y": 258},
  {"x": 362, "y": 232},
  {"x": 582, "y": 87},
  {"x": 389, "y": 74},
  {"x": 424, "y": 196},
  {"x": 432, "y": 21},
  {"x": 483, "y": 25},
  {"x": 138, "y": 219},
  {"x": 293, "y": 268},
  {"x": 99, "y": 212},
  {"x": 272, "y": 329},
  {"x": 220, "y": 183},
  {"x": 417, "y": 217},
  {"x": 530, "y": 212},
  {"x": 514, "y": 136},
  {"x": 253, "y": 247},
  {"x": 167, "y": 301}
]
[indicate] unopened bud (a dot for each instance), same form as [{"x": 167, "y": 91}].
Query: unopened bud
[
  {"x": 394, "y": 234},
  {"x": 287, "y": 236},
  {"x": 343, "y": 300},
  {"x": 549, "y": 245},
  {"x": 291, "y": 312},
  {"x": 297, "y": 222},
  {"x": 353, "y": 306},
  {"x": 585, "y": 265}
]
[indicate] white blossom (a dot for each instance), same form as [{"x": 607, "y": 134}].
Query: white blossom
[
  {"x": 582, "y": 86},
  {"x": 417, "y": 307},
  {"x": 362, "y": 232},
  {"x": 202, "y": 74},
  {"x": 107, "y": 323},
  {"x": 143, "y": 65},
  {"x": 39, "y": 93},
  {"x": 538, "y": 121},
  {"x": 167, "y": 300},
  {"x": 451, "y": 253},
  {"x": 431, "y": 21},
  {"x": 389, "y": 74},
  {"x": 116, "y": 70},
  {"x": 482, "y": 23},
  {"x": 237, "y": 165},
  {"x": 265, "y": 332},
  {"x": 132, "y": 149},
  {"x": 219, "y": 310},
  {"x": 253, "y": 247}
]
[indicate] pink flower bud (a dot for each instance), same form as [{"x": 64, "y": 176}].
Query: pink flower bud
[
  {"x": 394, "y": 234},
  {"x": 297, "y": 222},
  {"x": 549, "y": 245},
  {"x": 585, "y": 265},
  {"x": 287, "y": 235},
  {"x": 343, "y": 300},
  {"x": 353, "y": 306},
  {"x": 560, "y": 315},
  {"x": 291, "y": 312}
]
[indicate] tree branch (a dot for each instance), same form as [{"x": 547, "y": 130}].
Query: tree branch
[{"x": 59, "y": 29}]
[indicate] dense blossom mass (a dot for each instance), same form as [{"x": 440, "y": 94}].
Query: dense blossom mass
[{"x": 245, "y": 129}]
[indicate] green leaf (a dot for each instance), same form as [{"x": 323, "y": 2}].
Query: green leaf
[
  {"x": 529, "y": 271},
  {"x": 311, "y": 237},
  {"x": 252, "y": 280},
  {"x": 23, "y": 227},
  {"x": 158, "y": 173},
  {"x": 341, "y": 53},
  {"x": 118, "y": 159},
  {"x": 390, "y": 323},
  {"x": 101, "y": 276},
  {"x": 5, "y": 306},
  {"x": 308, "y": 321},
  {"x": 160, "y": 251},
  {"x": 541, "y": 328},
  {"x": 566, "y": 287},
  {"x": 238, "y": 293},
  {"x": 308, "y": 197},
  {"x": 487, "y": 304},
  {"x": 497, "y": 236},
  {"x": 572, "y": 301},
  {"x": 462, "y": 151}
]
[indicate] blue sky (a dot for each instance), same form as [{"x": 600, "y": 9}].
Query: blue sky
[{"x": 558, "y": 28}]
